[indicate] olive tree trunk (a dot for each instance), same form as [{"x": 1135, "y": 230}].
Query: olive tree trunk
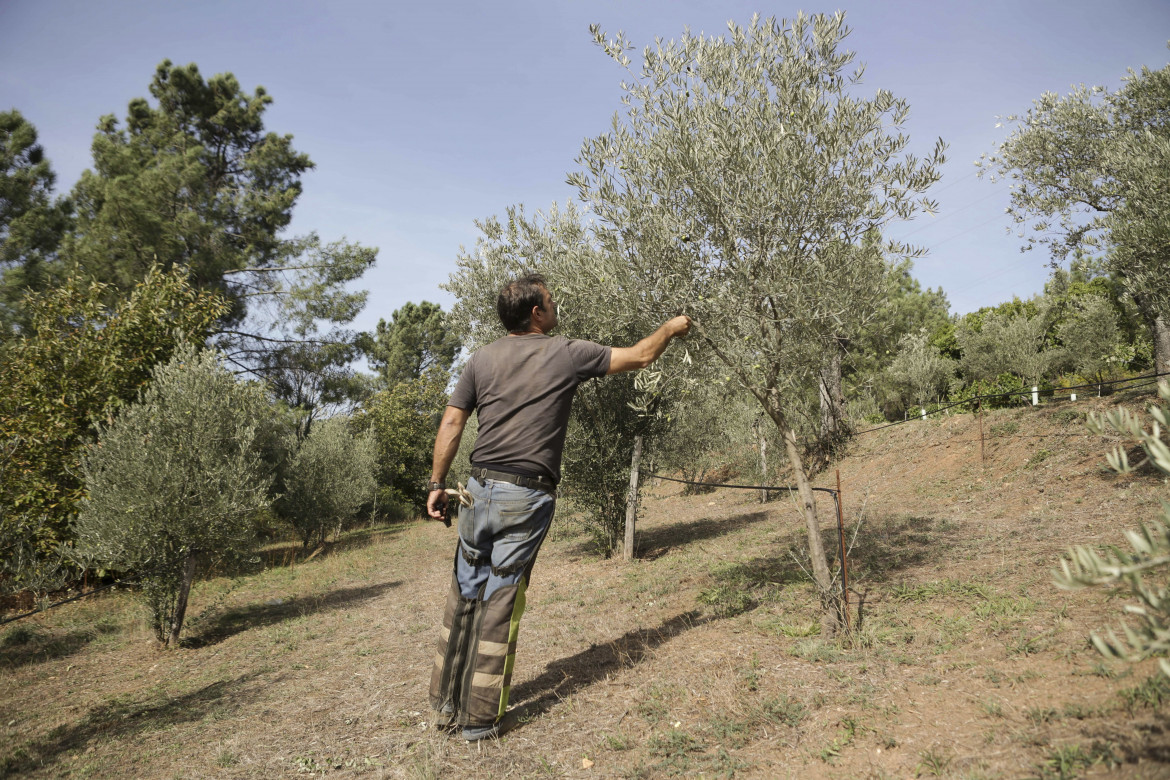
[
  {"x": 181, "y": 603},
  {"x": 822, "y": 577},
  {"x": 1161, "y": 345}
]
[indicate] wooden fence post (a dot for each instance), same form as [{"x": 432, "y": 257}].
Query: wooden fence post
[
  {"x": 844, "y": 555},
  {"x": 763, "y": 439},
  {"x": 979, "y": 414}
]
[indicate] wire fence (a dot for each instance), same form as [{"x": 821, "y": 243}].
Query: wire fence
[
  {"x": 789, "y": 488},
  {"x": 1145, "y": 380}
]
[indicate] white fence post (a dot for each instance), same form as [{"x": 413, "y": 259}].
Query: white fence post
[
  {"x": 1072, "y": 396},
  {"x": 1035, "y": 395}
]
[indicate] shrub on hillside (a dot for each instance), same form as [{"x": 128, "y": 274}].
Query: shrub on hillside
[
  {"x": 919, "y": 374},
  {"x": 1002, "y": 343},
  {"x": 328, "y": 478},
  {"x": 175, "y": 480},
  {"x": 403, "y": 421}
]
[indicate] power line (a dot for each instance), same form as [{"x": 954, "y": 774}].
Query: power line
[{"x": 948, "y": 214}]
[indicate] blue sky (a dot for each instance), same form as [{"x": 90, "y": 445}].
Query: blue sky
[{"x": 424, "y": 116}]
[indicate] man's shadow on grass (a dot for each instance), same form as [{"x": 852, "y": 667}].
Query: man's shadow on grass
[
  {"x": 120, "y": 720},
  {"x": 564, "y": 677},
  {"x": 266, "y": 613},
  {"x": 657, "y": 541}
]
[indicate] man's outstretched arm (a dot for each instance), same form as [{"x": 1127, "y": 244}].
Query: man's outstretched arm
[
  {"x": 446, "y": 445},
  {"x": 648, "y": 349}
]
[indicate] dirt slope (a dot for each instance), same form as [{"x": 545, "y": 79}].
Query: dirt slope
[{"x": 699, "y": 659}]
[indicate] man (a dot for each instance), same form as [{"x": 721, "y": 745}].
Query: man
[{"x": 521, "y": 387}]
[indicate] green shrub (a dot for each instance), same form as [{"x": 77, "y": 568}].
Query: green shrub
[
  {"x": 328, "y": 478},
  {"x": 175, "y": 480}
]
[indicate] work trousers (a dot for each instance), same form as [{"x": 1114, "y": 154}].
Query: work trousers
[{"x": 499, "y": 537}]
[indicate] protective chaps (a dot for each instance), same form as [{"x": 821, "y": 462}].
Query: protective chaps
[{"x": 472, "y": 675}]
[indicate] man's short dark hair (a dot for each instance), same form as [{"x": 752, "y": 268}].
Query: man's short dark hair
[{"x": 517, "y": 299}]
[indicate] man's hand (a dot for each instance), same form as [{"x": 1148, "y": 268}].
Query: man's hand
[
  {"x": 437, "y": 504},
  {"x": 650, "y": 348}
]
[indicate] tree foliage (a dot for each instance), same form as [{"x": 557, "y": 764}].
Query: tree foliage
[
  {"x": 416, "y": 340},
  {"x": 920, "y": 374},
  {"x": 1091, "y": 337},
  {"x": 192, "y": 177},
  {"x": 747, "y": 185},
  {"x": 80, "y": 359},
  {"x": 1143, "y": 570},
  {"x": 174, "y": 480},
  {"x": 403, "y": 421},
  {"x": 1092, "y": 168},
  {"x": 298, "y": 340},
  {"x": 31, "y": 223},
  {"x": 905, "y": 309},
  {"x": 1001, "y": 341},
  {"x": 328, "y": 478}
]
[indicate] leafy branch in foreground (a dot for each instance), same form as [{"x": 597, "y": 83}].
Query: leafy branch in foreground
[{"x": 1150, "y": 545}]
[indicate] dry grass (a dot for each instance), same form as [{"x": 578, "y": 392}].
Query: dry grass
[{"x": 699, "y": 659}]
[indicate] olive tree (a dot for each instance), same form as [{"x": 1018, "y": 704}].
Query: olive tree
[
  {"x": 174, "y": 480},
  {"x": 1092, "y": 169},
  {"x": 328, "y": 478},
  {"x": 1005, "y": 342},
  {"x": 1144, "y": 569},
  {"x": 1091, "y": 337},
  {"x": 919, "y": 372},
  {"x": 748, "y": 184}
]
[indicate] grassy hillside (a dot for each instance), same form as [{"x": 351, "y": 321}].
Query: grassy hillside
[{"x": 699, "y": 659}]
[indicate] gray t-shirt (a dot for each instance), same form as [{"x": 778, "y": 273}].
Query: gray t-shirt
[{"x": 522, "y": 388}]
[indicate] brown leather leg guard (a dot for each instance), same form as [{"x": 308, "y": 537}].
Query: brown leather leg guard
[
  {"x": 454, "y": 640},
  {"x": 487, "y": 678}
]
